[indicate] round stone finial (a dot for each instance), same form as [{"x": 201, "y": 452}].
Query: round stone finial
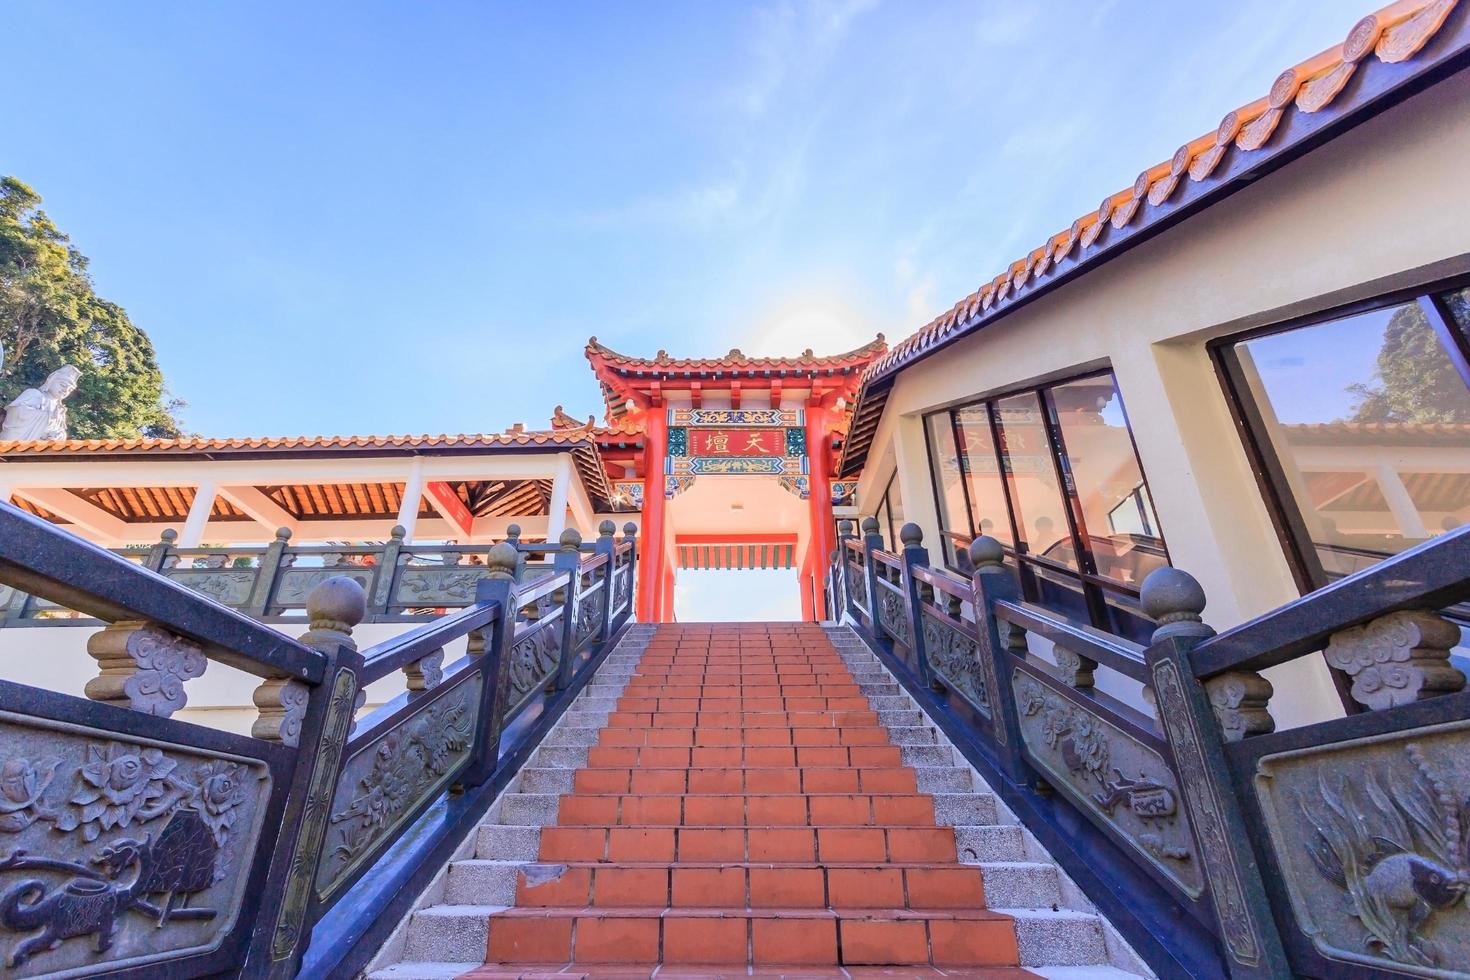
[
  {"x": 513, "y": 533},
  {"x": 911, "y": 535},
  {"x": 571, "y": 539},
  {"x": 169, "y": 536},
  {"x": 337, "y": 603},
  {"x": 283, "y": 534},
  {"x": 1174, "y": 599},
  {"x": 845, "y": 528},
  {"x": 398, "y": 533},
  {"x": 986, "y": 552},
  {"x": 502, "y": 559},
  {"x": 870, "y": 525},
  {"x": 630, "y": 530},
  {"x": 607, "y": 529}
]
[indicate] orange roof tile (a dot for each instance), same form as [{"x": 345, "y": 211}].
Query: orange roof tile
[{"x": 736, "y": 360}]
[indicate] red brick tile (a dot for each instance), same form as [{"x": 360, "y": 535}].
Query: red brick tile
[
  {"x": 773, "y": 757},
  {"x": 875, "y": 756},
  {"x": 717, "y": 757},
  {"x": 529, "y": 940},
  {"x": 709, "y": 888},
  {"x": 704, "y": 940},
  {"x": 600, "y": 781},
  {"x": 778, "y": 811},
  {"x": 893, "y": 811},
  {"x": 822, "y": 756},
  {"x": 888, "y": 780},
  {"x": 767, "y": 736},
  {"x": 921, "y": 844},
  {"x": 644, "y": 811},
  {"x": 639, "y": 844},
  {"x": 715, "y": 737},
  {"x": 714, "y": 811},
  {"x": 945, "y": 888},
  {"x": 781, "y": 844},
  {"x": 989, "y": 942},
  {"x": 610, "y": 757},
  {"x": 766, "y": 781},
  {"x": 793, "y": 941},
  {"x": 572, "y": 844},
  {"x": 569, "y": 889},
  {"x": 698, "y": 844},
  {"x": 865, "y": 888},
  {"x": 631, "y": 887},
  {"x": 587, "y": 811},
  {"x": 669, "y": 737},
  {"x": 666, "y": 781},
  {"x": 715, "y": 781},
  {"x": 816, "y": 736},
  {"x": 850, "y": 844},
  {"x": 830, "y": 780},
  {"x": 839, "y": 811},
  {"x": 617, "y": 940},
  {"x": 872, "y": 942},
  {"x": 787, "y": 888}
]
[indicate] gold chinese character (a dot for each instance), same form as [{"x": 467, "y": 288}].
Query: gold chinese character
[
  {"x": 719, "y": 442},
  {"x": 753, "y": 442}
]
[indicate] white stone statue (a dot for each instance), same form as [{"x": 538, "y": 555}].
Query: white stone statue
[{"x": 38, "y": 413}]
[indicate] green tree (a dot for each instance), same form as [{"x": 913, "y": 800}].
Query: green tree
[
  {"x": 1415, "y": 380},
  {"x": 50, "y": 315}
]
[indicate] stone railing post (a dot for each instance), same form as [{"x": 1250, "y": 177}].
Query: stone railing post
[
  {"x": 513, "y": 538},
  {"x": 157, "y": 559},
  {"x": 385, "y": 583},
  {"x": 143, "y": 667},
  {"x": 630, "y": 534},
  {"x": 266, "y": 575},
  {"x": 1197, "y": 728},
  {"x": 845, "y": 530},
  {"x": 317, "y": 721},
  {"x": 914, "y": 555},
  {"x": 993, "y": 582},
  {"x": 872, "y": 541},
  {"x": 333, "y": 608},
  {"x": 568, "y": 560},
  {"x": 607, "y": 545},
  {"x": 493, "y": 642}
]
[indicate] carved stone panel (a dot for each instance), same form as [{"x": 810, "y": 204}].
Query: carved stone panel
[
  {"x": 589, "y": 614},
  {"x": 384, "y": 781},
  {"x": 893, "y": 616},
  {"x": 117, "y": 851},
  {"x": 533, "y": 659},
  {"x": 622, "y": 587},
  {"x": 1121, "y": 782},
  {"x": 448, "y": 585},
  {"x": 855, "y": 587},
  {"x": 1373, "y": 840},
  {"x": 297, "y": 582},
  {"x": 230, "y": 586},
  {"x": 955, "y": 658}
]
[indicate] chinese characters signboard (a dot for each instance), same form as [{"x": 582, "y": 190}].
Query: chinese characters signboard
[{"x": 737, "y": 442}]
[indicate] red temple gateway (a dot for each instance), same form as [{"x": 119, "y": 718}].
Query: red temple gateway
[{"x": 731, "y": 460}]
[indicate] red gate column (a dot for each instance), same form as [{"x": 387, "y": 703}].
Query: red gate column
[
  {"x": 651, "y": 547},
  {"x": 819, "y": 502}
]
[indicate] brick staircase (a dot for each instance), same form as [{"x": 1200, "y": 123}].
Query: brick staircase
[{"x": 735, "y": 800}]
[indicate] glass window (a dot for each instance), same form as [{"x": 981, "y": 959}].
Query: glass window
[
  {"x": 1367, "y": 419},
  {"x": 1116, "y": 517},
  {"x": 894, "y": 500},
  {"x": 1036, "y": 497},
  {"x": 984, "y": 481},
  {"x": 944, "y": 466}
]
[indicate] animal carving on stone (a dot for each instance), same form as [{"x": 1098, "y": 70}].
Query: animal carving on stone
[
  {"x": 177, "y": 864},
  {"x": 1399, "y": 847}
]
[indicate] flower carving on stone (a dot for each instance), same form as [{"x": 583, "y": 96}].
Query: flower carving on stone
[
  {"x": 21, "y": 784},
  {"x": 119, "y": 783},
  {"x": 220, "y": 789}
]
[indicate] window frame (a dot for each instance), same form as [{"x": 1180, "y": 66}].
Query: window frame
[
  {"x": 1285, "y": 513},
  {"x": 1096, "y": 590}
]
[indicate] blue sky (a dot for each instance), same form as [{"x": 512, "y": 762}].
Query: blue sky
[{"x": 404, "y": 217}]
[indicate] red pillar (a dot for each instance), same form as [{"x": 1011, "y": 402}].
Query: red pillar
[
  {"x": 651, "y": 543},
  {"x": 819, "y": 503},
  {"x": 666, "y": 596}
]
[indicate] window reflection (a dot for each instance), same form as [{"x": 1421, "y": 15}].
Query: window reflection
[
  {"x": 1369, "y": 420},
  {"x": 983, "y": 479},
  {"x": 1117, "y": 518},
  {"x": 1036, "y": 497},
  {"x": 944, "y": 465}
]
